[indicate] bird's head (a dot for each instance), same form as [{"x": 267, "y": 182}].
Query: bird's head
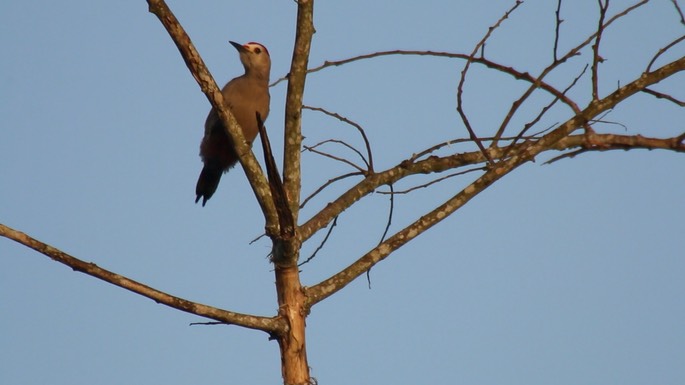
[{"x": 255, "y": 59}]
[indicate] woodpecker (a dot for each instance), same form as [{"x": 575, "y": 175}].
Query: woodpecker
[{"x": 245, "y": 96}]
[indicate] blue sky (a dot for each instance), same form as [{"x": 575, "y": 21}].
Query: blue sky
[{"x": 566, "y": 273}]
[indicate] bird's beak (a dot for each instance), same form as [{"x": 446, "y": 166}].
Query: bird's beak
[{"x": 238, "y": 46}]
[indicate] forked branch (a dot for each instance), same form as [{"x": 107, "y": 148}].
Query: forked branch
[{"x": 524, "y": 152}]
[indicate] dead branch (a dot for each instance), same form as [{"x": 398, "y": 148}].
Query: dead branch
[
  {"x": 434, "y": 181},
  {"x": 328, "y": 183},
  {"x": 437, "y": 164},
  {"x": 389, "y": 223},
  {"x": 596, "y": 58},
  {"x": 337, "y": 158},
  {"x": 285, "y": 216},
  {"x": 661, "y": 51},
  {"x": 438, "y": 146},
  {"x": 527, "y": 153},
  {"x": 558, "y": 61},
  {"x": 557, "y": 26},
  {"x": 321, "y": 245},
  {"x": 608, "y": 142},
  {"x": 660, "y": 95},
  {"x": 462, "y": 79},
  {"x": 518, "y": 75},
  {"x": 544, "y": 110},
  {"x": 359, "y": 128},
  {"x": 434, "y": 164},
  {"x": 293, "y": 104},
  {"x": 266, "y": 324},
  {"x": 204, "y": 79}
]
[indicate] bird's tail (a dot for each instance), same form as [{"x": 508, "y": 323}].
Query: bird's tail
[{"x": 207, "y": 182}]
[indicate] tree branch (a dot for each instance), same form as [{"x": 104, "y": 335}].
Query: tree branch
[
  {"x": 596, "y": 58},
  {"x": 204, "y": 79},
  {"x": 662, "y": 51},
  {"x": 462, "y": 79},
  {"x": 435, "y": 164},
  {"x": 285, "y": 217},
  {"x": 592, "y": 142},
  {"x": 360, "y": 129},
  {"x": 661, "y": 95},
  {"x": 266, "y": 324},
  {"x": 525, "y": 76},
  {"x": 557, "y": 27},
  {"x": 315, "y": 150},
  {"x": 530, "y": 149},
  {"x": 293, "y": 104},
  {"x": 321, "y": 245},
  {"x": 328, "y": 183}
]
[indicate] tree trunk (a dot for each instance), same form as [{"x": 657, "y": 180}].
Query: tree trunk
[{"x": 291, "y": 300}]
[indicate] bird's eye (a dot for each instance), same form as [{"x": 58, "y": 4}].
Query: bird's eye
[{"x": 257, "y": 50}]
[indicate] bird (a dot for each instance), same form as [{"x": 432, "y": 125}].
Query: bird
[{"x": 245, "y": 96}]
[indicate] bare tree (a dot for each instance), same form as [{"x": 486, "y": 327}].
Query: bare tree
[{"x": 485, "y": 157}]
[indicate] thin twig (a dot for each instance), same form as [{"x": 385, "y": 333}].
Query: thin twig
[
  {"x": 428, "y": 184},
  {"x": 575, "y": 51},
  {"x": 538, "y": 80},
  {"x": 545, "y": 130},
  {"x": 600, "y": 119},
  {"x": 662, "y": 50},
  {"x": 462, "y": 80},
  {"x": 438, "y": 146},
  {"x": 359, "y": 128},
  {"x": 339, "y": 159},
  {"x": 207, "y": 323},
  {"x": 660, "y": 95},
  {"x": 569, "y": 155},
  {"x": 544, "y": 110},
  {"x": 330, "y": 181},
  {"x": 390, "y": 212},
  {"x": 452, "y": 55},
  {"x": 557, "y": 28},
  {"x": 572, "y": 52},
  {"x": 258, "y": 238},
  {"x": 596, "y": 58},
  {"x": 328, "y": 234},
  {"x": 518, "y": 75},
  {"x": 337, "y": 63}
]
